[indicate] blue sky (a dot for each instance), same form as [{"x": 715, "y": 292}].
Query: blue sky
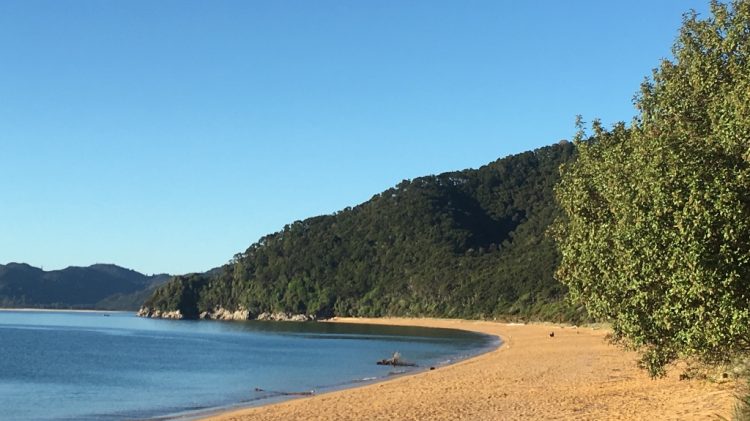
[{"x": 165, "y": 136}]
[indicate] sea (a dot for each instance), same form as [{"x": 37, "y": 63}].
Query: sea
[{"x": 66, "y": 365}]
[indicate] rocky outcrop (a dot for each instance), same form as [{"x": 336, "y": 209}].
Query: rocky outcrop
[
  {"x": 285, "y": 317},
  {"x": 220, "y": 313},
  {"x": 158, "y": 314}
]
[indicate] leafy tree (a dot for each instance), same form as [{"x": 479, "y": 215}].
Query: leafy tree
[{"x": 656, "y": 233}]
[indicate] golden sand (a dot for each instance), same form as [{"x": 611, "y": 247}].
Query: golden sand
[{"x": 574, "y": 375}]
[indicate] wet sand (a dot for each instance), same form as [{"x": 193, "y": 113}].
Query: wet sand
[{"x": 574, "y": 375}]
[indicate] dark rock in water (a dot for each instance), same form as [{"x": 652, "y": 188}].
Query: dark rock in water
[
  {"x": 278, "y": 393},
  {"x": 396, "y": 361}
]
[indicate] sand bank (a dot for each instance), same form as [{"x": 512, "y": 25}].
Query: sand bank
[{"x": 575, "y": 375}]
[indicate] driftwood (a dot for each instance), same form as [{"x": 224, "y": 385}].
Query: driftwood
[
  {"x": 278, "y": 393},
  {"x": 396, "y": 361}
]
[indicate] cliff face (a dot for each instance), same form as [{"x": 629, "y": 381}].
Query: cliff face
[{"x": 465, "y": 244}]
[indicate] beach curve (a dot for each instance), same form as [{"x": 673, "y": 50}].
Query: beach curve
[{"x": 575, "y": 374}]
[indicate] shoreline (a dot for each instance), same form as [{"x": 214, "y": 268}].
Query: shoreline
[
  {"x": 574, "y": 375},
  {"x": 494, "y": 342},
  {"x": 62, "y": 310}
]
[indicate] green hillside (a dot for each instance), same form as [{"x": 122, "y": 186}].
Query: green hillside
[
  {"x": 468, "y": 243},
  {"x": 98, "y": 286}
]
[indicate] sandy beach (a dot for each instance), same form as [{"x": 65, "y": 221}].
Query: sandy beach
[{"x": 574, "y": 375}]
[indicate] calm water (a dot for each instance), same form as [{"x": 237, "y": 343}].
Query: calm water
[{"x": 88, "y": 366}]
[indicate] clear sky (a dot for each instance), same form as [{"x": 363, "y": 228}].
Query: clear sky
[{"x": 165, "y": 136}]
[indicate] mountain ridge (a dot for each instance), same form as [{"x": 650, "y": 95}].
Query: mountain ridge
[{"x": 98, "y": 286}]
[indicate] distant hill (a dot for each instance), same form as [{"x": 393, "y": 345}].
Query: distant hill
[
  {"x": 469, "y": 243},
  {"x": 100, "y": 286}
]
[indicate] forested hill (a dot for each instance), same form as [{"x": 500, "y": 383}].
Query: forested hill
[
  {"x": 467, "y": 244},
  {"x": 97, "y": 286}
]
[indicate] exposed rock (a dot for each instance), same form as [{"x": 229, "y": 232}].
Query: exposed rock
[
  {"x": 158, "y": 314},
  {"x": 171, "y": 315},
  {"x": 285, "y": 317},
  {"x": 300, "y": 318},
  {"x": 220, "y": 313}
]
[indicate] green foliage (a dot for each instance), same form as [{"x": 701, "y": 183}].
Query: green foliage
[
  {"x": 182, "y": 293},
  {"x": 656, "y": 233},
  {"x": 462, "y": 244}
]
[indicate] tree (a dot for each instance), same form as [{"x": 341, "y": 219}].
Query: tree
[{"x": 656, "y": 229}]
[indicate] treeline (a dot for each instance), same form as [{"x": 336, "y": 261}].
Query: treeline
[{"x": 468, "y": 244}]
